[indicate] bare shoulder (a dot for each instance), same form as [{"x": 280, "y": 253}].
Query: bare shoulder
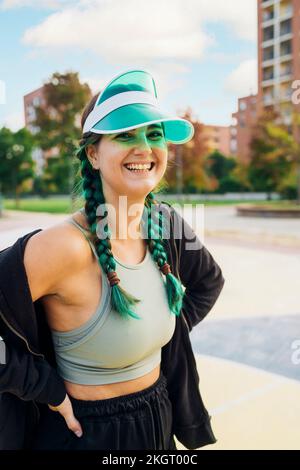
[{"x": 52, "y": 254}]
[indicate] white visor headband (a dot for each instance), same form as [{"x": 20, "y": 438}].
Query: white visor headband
[{"x": 115, "y": 102}]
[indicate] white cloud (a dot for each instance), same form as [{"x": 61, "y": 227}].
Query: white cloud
[
  {"x": 14, "y": 121},
  {"x": 240, "y": 16},
  {"x": 243, "y": 80},
  {"x": 169, "y": 77},
  {"x": 94, "y": 84},
  {"x": 45, "y": 4},
  {"x": 121, "y": 31},
  {"x": 162, "y": 37}
]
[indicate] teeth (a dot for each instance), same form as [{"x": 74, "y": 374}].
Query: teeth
[{"x": 131, "y": 166}]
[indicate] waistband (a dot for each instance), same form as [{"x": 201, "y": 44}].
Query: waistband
[{"x": 121, "y": 404}]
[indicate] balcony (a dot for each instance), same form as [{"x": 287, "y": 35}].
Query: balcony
[
  {"x": 268, "y": 15},
  {"x": 268, "y": 54},
  {"x": 286, "y": 72},
  {"x": 268, "y": 100},
  {"x": 268, "y": 74},
  {"x": 285, "y": 27},
  {"x": 267, "y": 3},
  {"x": 285, "y": 49},
  {"x": 268, "y": 33},
  {"x": 286, "y": 30},
  {"x": 286, "y": 11},
  {"x": 286, "y": 94}
]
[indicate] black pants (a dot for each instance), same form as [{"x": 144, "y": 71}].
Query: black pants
[{"x": 137, "y": 421}]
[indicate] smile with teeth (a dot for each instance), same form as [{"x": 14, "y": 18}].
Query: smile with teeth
[{"x": 139, "y": 168}]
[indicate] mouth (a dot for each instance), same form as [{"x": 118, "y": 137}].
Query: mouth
[{"x": 139, "y": 169}]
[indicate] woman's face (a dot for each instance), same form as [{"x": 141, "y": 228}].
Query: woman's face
[{"x": 137, "y": 146}]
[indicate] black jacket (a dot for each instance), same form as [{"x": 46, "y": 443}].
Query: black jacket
[{"x": 28, "y": 378}]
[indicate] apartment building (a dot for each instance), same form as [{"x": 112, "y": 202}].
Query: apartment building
[
  {"x": 278, "y": 55},
  {"x": 243, "y": 121}
]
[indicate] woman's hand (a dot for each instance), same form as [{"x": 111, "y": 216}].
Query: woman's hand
[{"x": 66, "y": 410}]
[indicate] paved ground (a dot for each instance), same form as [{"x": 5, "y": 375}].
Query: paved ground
[{"x": 243, "y": 348}]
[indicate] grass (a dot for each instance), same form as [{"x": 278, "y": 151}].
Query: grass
[
  {"x": 52, "y": 205},
  {"x": 62, "y": 205},
  {"x": 275, "y": 204}
]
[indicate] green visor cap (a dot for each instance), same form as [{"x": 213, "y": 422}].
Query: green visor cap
[{"x": 130, "y": 101}]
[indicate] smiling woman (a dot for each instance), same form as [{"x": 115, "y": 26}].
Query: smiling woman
[
  {"x": 98, "y": 335},
  {"x": 110, "y": 358}
]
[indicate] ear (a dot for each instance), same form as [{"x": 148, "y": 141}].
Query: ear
[{"x": 91, "y": 155}]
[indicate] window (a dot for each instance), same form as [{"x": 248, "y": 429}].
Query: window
[
  {"x": 268, "y": 33},
  {"x": 268, "y": 53},
  {"x": 36, "y": 101},
  {"x": 285, "y": 48},
  {"x": 285, "y": 27}
]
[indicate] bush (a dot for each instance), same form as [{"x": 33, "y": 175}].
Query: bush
[
  {"x": 288, "y": 186},
  {"x": 289, "y": 192}
]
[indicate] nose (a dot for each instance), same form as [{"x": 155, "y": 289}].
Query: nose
[{"x": 144, "y": 144}]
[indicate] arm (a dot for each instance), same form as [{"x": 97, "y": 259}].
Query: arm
[
  {"x": 30, "y": 377},
  {"x": 199, "y": 273},
  {"x": 49, "y": 257}
]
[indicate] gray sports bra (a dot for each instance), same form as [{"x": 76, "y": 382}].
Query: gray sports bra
[{"x": 108, "y": 348}]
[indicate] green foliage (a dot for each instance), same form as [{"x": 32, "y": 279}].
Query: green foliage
[
  {"x": 226, "y": 173},
  {"x": 16, "y": 164},
  {"x": 59, "y": 130},
  {"x": 273, "y": 154},
  {"x": 186, "y": 170},
  {"x": 288, "y": 186},
  {"x": 218, "y": 165}
]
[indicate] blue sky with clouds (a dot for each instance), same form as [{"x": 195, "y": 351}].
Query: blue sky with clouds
[{"x": 202, "y": 53}]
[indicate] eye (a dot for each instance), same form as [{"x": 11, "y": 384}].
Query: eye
[
  {"x": 124, "y": 134},
  {"x": 158, "y": 134}
]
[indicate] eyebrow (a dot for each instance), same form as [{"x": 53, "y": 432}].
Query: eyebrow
[
  {"x": 158, "y": 126},
  {"x": 152, "y": 126}
]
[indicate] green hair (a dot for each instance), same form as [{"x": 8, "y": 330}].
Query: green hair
[{"x": 92, "y": 190}]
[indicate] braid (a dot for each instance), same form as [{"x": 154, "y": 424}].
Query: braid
[
  {"x": 121, "y": 300},
  {"x": 93, "y": 194},
  {"x": 155, "y": 241}
]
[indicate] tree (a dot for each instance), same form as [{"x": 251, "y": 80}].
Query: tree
[
  {"x": 58, "y": 126},
  {"x": 273, "y": 153},
  {"x": 219, "y": 165},
  {"x": 17, "y": 166},
  {"x": 226, "y": 172},
  {"x": 190, "y": 164}
]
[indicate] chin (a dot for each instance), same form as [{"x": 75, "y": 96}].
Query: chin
[{"x": 139, "y": 193}]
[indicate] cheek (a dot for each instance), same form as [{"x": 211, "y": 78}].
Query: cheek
[
  {"x": 111, "y": 161},
  {"x": 162, "y": 155}
]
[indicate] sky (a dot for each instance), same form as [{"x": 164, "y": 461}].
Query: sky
[{"x": 201, "y": 53}]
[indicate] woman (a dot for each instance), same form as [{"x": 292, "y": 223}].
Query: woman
[{"x": 111, "y": 303}]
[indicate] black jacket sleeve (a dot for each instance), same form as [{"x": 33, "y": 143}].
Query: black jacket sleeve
[
  {"x": 29, "y": 377},
  {"x": 199, "y": 273}
]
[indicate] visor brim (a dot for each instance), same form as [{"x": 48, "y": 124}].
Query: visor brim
[{"x": 177, "y": 130}]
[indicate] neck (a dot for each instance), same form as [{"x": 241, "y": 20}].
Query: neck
[{"x": 125, "y": 216}]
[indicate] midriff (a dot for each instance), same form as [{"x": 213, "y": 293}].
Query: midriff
[{"x": 102, "y": 392}]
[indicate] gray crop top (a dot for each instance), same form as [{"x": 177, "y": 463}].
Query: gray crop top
[{"x": 108, "y": 348}]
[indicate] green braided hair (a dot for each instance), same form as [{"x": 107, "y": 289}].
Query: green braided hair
[{"x": 92, "y": 190}]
